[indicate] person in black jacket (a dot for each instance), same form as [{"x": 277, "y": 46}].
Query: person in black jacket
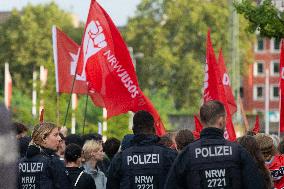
[
  {"x": 8, "y": 150},
  {"x": 41, "y": 168},
  {"x": 145, "y": 163},
  {"x": 211, "y": 161},
  {"x": 79, "y": 179}
]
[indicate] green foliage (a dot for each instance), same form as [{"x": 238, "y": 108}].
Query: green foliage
[
  {"x": 172, "y": 36},
  {"x": 264, "y": 17},
  {"x": 26, "y": 40},
  {"x": 118, "y": 126}
]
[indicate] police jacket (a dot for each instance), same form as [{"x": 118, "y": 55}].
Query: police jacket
[
  {"x": 213, "y": 162},
  {"x": 143, "y": 165},
  {"x": 80, "y": 179},
  {"x": 42, "y": 169}
]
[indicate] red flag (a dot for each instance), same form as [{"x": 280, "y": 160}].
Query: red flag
[
  {"x": 65, "y": 52},
  {"x": 7, "y": 87},
  {"x": 105, "y": 59},
  {"x": 198, "y": 127},
  {"x": 226, "y": 83},
  {"x": 281, "y": 88},
  {"x": 256, "y": 125},
  {"x": 213, "y": 87}
]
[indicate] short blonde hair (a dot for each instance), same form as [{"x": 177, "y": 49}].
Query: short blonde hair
[
  {"x": 89, "y": 147},
  {"x": 41, "y": 131}
]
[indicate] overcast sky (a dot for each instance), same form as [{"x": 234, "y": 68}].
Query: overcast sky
[{"x": 119, "y": 10}]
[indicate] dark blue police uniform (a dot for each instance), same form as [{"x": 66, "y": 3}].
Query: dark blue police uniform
[
  {"x": 42, "y": 169},
  {"x": 213, "y": 162},
  {"x": 143, "y": 165}
]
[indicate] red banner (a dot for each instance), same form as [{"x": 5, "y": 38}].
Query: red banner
[
  {"x": 256, "y": 125},
  {"x": 65, "y": 52},
  {"x": 226, "y": 83},
  {"x": 105, "y": 59},
  {"x": 281, "y": 87},
  {"x": 198, "y": 127},
  {"x": 213, "y": 87}
]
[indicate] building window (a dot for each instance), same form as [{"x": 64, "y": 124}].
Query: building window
[
  {"x": 259, "y": 44},
  {"x": 258, "y": 92},
  {"x": 258, "y": 69},
  {"x": 274, "y": 92},
  {"x": 274, "y": 68},
  {"x": 275, "y": 44}
]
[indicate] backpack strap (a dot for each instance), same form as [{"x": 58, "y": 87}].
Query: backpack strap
[{"x": 78, "y": 178}]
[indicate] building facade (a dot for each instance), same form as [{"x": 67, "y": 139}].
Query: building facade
[{"x": 262, "y": 80}]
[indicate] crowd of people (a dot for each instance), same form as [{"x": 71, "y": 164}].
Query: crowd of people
[{"x": 142, "y": 160}]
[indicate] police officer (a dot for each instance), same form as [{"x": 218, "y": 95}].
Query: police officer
[
  {"x": 41, "y": 168},
  {"x": 145, "y": 163},
  {"x": 211, "y": 161}
]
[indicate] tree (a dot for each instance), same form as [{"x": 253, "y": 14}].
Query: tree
[
  {"x": 26, "y": 40},
  {"x": 172, "y": 36},
  {"x": 263, "y": 17}
]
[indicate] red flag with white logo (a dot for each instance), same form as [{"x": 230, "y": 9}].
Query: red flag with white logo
[
  {"x": 256, "y": 125},
  {"x": 7, "y": 87},
  {"x": 226, "y": 83},
  {"x": 65, "y": 52},
  {"x": 281, "y": 88},
  {"x": 105, "y": 59},
  {"x": 214, "y": 89}
]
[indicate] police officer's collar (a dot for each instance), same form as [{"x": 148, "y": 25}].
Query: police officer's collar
[
  {"x": 145, "y": 139},
  {"x": 212, "y": 132},
  {"x": 47, "y": 151}
]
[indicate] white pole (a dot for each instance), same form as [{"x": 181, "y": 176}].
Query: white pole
[
  {"x": 73, "y": 119},
  {"x": 104, "y": 119},
  {"x": 34, "y": 95},
  {"x": 104, "y": 123},
  {"x": 6, "y": 73},
  {"x": 130, "y": 113},
  {"x": 266, "y": 100}
]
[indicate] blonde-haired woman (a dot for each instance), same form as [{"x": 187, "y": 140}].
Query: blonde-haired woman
[
  {"x": 41, "y": 167},
  {"x": 92, "y": 154}
]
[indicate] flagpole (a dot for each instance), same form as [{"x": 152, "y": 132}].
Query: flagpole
[
  {"x": 85, "y": 113},
  {"x": 243, "y": 114},
  {"x": 69, "y": 102}
]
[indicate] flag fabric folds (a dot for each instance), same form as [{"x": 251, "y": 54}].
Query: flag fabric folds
[
  {"x": 256, "y": 127},
  {"x": 105, "y": 60},
  {"x": 198, "y": 127},
  {"x": 7, "y": 87},
  {"x": 226, "y": 83},
  {"x": 281, "y": 88},
  {"x": 65, "y": 52},
  {"x": 214, "y": 88}
]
